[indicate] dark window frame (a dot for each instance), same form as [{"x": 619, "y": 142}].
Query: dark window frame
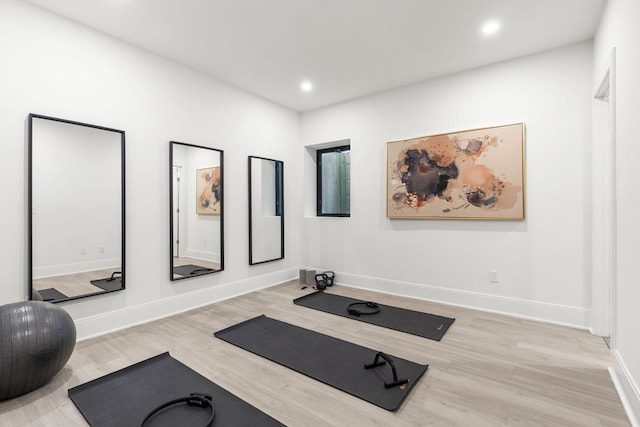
[{"x": 319, "y": 153}]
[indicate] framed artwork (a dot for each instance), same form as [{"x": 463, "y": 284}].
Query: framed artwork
[
  {"x": 208, "y": 191},
  {"x": 471, "y": 174}
]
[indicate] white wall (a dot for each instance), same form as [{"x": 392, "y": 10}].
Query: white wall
[
  {"x": 620, "y": 29},
  {"x": 52, "y": 66},
  {"x": 541, "y": 262}
]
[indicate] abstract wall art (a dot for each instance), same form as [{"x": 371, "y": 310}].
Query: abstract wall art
[
  {"x": 471, "y": 174},
  {"x": 208, "y": 191}
]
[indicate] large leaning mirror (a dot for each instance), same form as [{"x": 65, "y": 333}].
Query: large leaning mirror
[
  {"x": 196, "y": 211},
  {"x": 266, "y": 210},
  {"x": 76, "y": 209}
]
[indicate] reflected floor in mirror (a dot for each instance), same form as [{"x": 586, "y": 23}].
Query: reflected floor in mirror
[
  {"x": 189, "y": 267},
  {"x": 73, "y": 285},
  {"x": 488, "y": 370}
]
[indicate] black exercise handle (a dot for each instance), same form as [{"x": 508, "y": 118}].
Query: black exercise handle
[
  {"x": 377, "y": 362},
  {"x": 113, "y": 276}
]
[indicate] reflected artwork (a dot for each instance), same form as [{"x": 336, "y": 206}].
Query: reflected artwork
[
  {"x": 208, "y": 191},
  {"x": 473, "y": 174}
]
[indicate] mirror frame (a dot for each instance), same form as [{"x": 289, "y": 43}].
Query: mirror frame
[
  {"x": 171, "y": 209},
  {"x": 30, "y": 118},
  {"x": 280, "y": 196}
]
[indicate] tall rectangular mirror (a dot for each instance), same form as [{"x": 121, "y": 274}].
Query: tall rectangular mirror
[
  {"x": 196, "y": 210},
  {"x": 76, "y": 209},
  {"x": 266, "y": 210}
]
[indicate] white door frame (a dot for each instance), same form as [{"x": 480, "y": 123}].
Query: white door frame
[{"x": 604, "y": 229}]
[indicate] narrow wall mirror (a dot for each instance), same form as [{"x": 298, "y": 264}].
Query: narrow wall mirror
[
  {"x": 76, "y": 209},
  {"x": 196, "y": 210},
  {"x": 266, "y": 210}
]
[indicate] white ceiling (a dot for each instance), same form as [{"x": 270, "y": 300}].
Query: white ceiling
[{"x": 348, "y": 48}]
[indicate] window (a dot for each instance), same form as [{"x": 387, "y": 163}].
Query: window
[{"x": 333, "y": 181}]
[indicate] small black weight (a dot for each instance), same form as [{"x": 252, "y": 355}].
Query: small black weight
[
  {"x": 330, "y": 277},
  {"x": 321, "y": 281}
]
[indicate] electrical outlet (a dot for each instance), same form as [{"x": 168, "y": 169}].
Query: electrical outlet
[
  {"x": 101, "y": 249},
  {"x": 493, "y": 276},
  {"x": 83, "y": 251}
]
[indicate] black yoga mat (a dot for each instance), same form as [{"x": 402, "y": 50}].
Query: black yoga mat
[
  {"x": 330, "y": 360},
  {"x": 192, "y": 270},
  {"x": 123, "y": 398},
  {"x": 51, "y": 294},
  {"x": 400, "y": 319}
]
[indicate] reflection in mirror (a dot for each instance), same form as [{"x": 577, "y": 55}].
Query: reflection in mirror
[
  {"x": 76, "y": 206},
  {"x": 266, "y": 210},
  {"x": 196, "y": 216}
]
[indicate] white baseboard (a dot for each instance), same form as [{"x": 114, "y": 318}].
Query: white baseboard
[
  {"x": 93, "y": 326},
  {"x": 627, "y": 389},
  {"x": 575, "y": 317}
]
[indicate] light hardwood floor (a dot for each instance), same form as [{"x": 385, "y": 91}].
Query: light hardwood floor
[{"x": 488, "y": 370}]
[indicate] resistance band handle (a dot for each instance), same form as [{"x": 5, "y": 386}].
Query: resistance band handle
[
  {"x": 200, "y": 400},
  {"x": 377, "y": 362}
]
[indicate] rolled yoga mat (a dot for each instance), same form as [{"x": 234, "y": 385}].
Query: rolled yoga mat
[
  {"x": 425, "y": 325},
  {"x": 330, "y": 360},
  {"x": 125, "y": 397}
]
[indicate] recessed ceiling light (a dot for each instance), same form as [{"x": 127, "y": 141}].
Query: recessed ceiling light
[
  {"x": 306, "y": 86},
  {"x": 490, "y": 28}
]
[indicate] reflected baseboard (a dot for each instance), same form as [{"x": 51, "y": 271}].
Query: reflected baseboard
[{"x": 186, "y": 260}]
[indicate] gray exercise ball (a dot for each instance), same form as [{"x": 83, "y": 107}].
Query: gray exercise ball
[
  {"x": 36, "y": 341},
  {"x": 35, "y": 295}
]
